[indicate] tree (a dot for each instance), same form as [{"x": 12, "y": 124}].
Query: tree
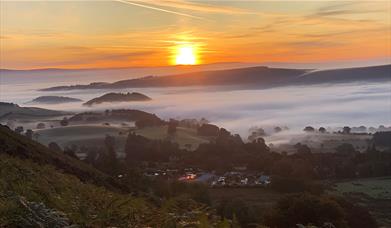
[
  {"x": 71, "y": 151},
  {"x": 172, "y": 127},
  {"x": 322, "y": 130},
  {"x": 208, "y": 130},
  {"x": 41, "y": 126},
  {"x": 64, "y": 121},
  {"x": 346, "y": 130},
  {"x": 309, "y": 129},
  {"x": 19, "y": 129},
  {"x": 107, "y": 158},
  {"x": 29, "y": 134},
  {"x": 277, "y": 129},
  {"x": 107, "y": 112},
  {"x": 306, "y": 209},
  {"x": 345, "y": 149},
  {"x": 302, "y": 149},
  {"x": 54, "y": 146},
  {"x": 256, "y": 133}
]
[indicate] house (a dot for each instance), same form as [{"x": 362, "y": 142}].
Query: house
[{"x": 263, "y": 180}]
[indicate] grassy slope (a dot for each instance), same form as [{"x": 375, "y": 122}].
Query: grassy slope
[
  {"x": 84, "y": 204},
  {"x": 87, "y": 135},
  {"x": 30, "y": 171},
  {"x": 8, "y": 111},
  {"x": 373, "y": 193},
  {"x": 93, "y": 135},
  {"x": 19, "y": 146},
  {"x": 183, "y": 135}
]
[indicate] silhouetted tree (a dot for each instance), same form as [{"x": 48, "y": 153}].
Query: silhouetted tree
[
  {"x": 346, "y": 130},
  {"x": 277, "y": 129},
  {"x": 345, "y": 149},
  {"x": 302, "y": 149},
  {"x": 19, "y": 129},
  {"x": 322, "y": 130},
  {"x": 41, "y": 126},
  {"x": 309, "y": 129},
  {"x": 71, "y": 151},
  {"x": 172, "y": 127},
  {"x": 54, "y": 146},
  {"x": 29, "y": 133},
  {"x": 64, "y": 121},
  {"x": 306, "y": 209}
]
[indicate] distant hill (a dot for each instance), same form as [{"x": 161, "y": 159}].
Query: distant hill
[
  {"x": 116, "y": 114},
  {"x": 248, "y": 77},
  {"x": 234, "y": 77},
  {"x": 10, "y": 110},
  {"x": 117, "y": 97},
  {"x": 54, "y": 100},
  {"x": 374, "y": 73}
]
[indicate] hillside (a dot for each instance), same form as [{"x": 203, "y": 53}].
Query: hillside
[
  {"x": 19, "y": 146},
  {"x": 37, "y": 195},
  {"x": 10, "y": 110},
  {"x": 243, "y": 76},
  {"x": 375, "y": 73},
  {"x": 117, "y": 97},
  {"x": 248, "y": 77},
  {"x": 54, "y": 100},
  {"x": 44, "y": 188}
]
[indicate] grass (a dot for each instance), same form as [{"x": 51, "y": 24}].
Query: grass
[
  {"x": 183, "y": 136},
  {"x": 376, "y": 188},
  {"x": 373, "y": 193},
  {"x": 32, "y": 174},
  {"x": 82, "y": 135},
  {"x": 93, "y": 135},
  {"x": 84, "y": 204},
  {"x": 260, "y": 197}
]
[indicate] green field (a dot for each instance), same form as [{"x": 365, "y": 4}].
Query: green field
[
  {"x": 373, "y": 193},
  {"x": 260, "y": 197},
  {"x": 183, "y": 136},
  {"x": 82, "y": 135},
  {"x": 93, "y": 135}
]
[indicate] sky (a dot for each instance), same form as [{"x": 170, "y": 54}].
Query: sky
[{"x": 124, "y": 33}]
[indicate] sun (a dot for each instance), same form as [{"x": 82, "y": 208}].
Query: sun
[{"x": 186, "y": 55}]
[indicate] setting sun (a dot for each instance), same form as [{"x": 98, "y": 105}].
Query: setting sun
[{"x": 185, "y": 55}]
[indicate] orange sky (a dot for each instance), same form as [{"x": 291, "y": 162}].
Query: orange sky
[{"x": 93, "y": 34}]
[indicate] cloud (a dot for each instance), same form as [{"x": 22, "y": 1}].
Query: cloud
[
  {"x": 178, "y": 5},
  {"x": 87, "y": 55},
  {"x": 342, "y": 9},
  {"x": 313, "y": 43},
  {"x": 159, "y": 9},
  {"x": 195, "y": 6}
]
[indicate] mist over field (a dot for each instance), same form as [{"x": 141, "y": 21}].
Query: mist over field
[{"x": 334, "y": 105}]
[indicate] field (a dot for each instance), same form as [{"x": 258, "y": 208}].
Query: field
[
  {"x": 319, "y": 143},
  {"x": 94, "y": 134},
  {"x": 373, "y": 193},
  {"x": 82, "y": 135},
  {"x": 185, "y": 137},
  {"x": 259, "y": 197}
]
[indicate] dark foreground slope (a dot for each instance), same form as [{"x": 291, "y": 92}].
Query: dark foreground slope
[
  {"x": 21, "y": 147},
  {"x": 260, "y": 77},
  {"x": 44, "y": 188}
]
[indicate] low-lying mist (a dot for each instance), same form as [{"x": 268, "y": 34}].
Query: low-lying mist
[{"x": 238, "y": 110}]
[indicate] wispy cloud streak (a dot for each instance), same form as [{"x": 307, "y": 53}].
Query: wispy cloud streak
[{"x": 160, "y": 9}]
